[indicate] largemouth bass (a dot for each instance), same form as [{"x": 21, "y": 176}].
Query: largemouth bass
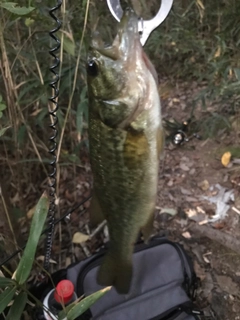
[{"x": 125, "y": 139}]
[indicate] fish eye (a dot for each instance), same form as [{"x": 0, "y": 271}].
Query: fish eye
[{"x": 92, "y": 68}]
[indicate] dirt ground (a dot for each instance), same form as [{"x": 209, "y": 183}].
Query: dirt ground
[{"x": 188, "y": 173}]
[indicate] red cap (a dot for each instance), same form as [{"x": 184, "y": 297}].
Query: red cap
[{"x": 64, "y": 291}]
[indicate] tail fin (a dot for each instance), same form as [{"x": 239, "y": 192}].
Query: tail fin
[{"x": 115, "y": 272}]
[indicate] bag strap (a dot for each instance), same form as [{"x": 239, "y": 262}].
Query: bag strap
[{"x": 191, "y": 309}]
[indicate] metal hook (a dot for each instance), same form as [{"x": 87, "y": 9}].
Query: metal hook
[{"x": 145, "y": 26}]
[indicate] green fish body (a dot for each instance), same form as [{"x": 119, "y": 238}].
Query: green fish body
[{"x": 125, "y": 139}]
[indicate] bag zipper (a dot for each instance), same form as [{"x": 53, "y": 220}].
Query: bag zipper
[
  {"x": 177, "y": 310},
  {"x": 172, "y": 313}
]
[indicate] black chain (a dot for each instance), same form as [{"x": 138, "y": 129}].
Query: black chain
[{"x": 53, "y": 147}]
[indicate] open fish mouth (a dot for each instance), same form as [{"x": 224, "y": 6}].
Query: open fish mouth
[{"x": 126, "y": 40}]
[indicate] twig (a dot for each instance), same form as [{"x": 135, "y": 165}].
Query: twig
[
  {"x": 8, "y": 218},
  {"x": 236, "y": 210},
  {"x": 85, "y": 249},
  {"x": 98, "y": 229},
  {"x": 218, "y": 236}
]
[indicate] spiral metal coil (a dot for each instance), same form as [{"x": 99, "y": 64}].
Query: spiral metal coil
[{"x": 53, "y": 126}]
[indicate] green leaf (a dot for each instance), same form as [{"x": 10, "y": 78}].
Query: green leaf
[
  {"x": 29, "y": 22},
  {"x": 0, "y": 98},
  {"x": 237, "y": 73},
  {"x": 73, "y": 158},
  {"x": 69, "y": 46},
  {"x": 21, "y": 135},
  {"x": 6, "y": 297},
  {"x": 75, "y": 309},
  {"x": 83, "y": 94},
  {"x": 16, "y": 9},
  {"x": 5, "y": 282},
  {"x": 18, "y": 306},
  {"x": 3, "y": 130},
  {"x": 79, "y": 118},
  {"x": 2, "y": 106},
  {"x": 26, "y": 262}
]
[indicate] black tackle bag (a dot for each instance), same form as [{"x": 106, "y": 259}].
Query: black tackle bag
[{"x": 162, "y": 287}]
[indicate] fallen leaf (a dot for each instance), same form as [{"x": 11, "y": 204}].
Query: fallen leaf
[
  {"x": 199, "y": 270},
  {"x": 176, "y": 100},
  {"x": 191, "y": 199},
  {"x": 219, "y": 225},
  {"x": 199, "y": 217},
  {"x": 204, "y": 185},
  {"x": 186, "y": 235},
  {"x": 68, "y": 261},
  {"x": 191, "y": 213},
  {"x": 203, "y": 222},
  {"x": 206, "y": 259},
  {"x": 31, "y": 212},
  {"x": 80, "y": 237},
  {"x": 42, "y": 258},
  {"x": 170, "y": 211},
  {"x": 184, "y": 167},
  {"x": 192, "y": 171},
  {"x": 200, "y": 210},
  {"x": 218, "y": 52},
  {"x": 226, "y": 158},
  {"x": 185, "y": 191}
]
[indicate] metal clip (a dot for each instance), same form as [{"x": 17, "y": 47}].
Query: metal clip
[{"x": 145, "y": 26}]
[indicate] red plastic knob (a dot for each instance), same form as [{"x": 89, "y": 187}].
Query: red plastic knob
[{"x": 64, "y": 291}]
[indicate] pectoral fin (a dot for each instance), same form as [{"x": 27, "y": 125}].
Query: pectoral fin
[{"x": 95, "y": 211}]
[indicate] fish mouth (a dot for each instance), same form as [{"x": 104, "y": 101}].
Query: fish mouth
[{"x": 126, "y": 40}]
